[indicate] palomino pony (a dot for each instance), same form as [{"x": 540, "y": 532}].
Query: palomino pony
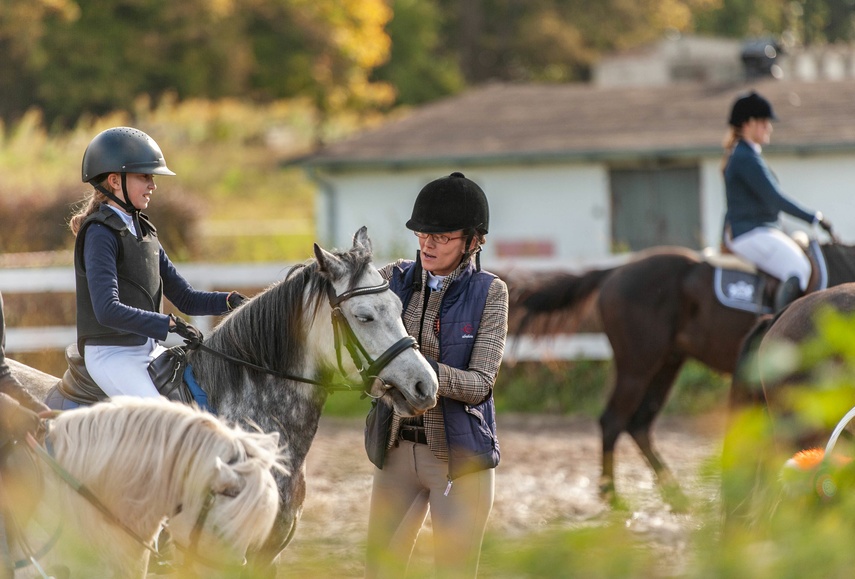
[
  {"x": 264, "y": 364},
  {"x": 117, "y": 470},
  {"x": 657, "y": 310},
  {"x": 774, "y": 377}
]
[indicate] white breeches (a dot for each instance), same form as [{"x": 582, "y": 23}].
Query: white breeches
[
  {"x": 774, "y": 252},
  {"x": 123, "y": 370}
]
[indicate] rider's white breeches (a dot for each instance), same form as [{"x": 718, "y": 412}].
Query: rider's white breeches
[
  {"x": 123, "y": 370},
  {"x": 774, "y": 252}
]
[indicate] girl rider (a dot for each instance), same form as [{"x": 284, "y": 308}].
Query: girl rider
[{"x": 122, "y": 271}]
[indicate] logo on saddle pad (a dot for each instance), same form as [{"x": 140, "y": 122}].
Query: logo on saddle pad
[{"x": 740, "y": 290}]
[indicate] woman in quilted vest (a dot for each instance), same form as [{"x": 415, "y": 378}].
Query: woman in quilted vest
[{"x": 442, "y": 462}]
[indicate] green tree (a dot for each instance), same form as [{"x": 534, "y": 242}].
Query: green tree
[
  {"x": 420, "y": 66},
  {"x": 94, "y": 56},
  {"x": 22, "y": 28},
  {"x": 553, "y": 40}
]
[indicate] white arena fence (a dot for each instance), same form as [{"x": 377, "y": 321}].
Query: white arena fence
[{"x": 205, "y": 276}]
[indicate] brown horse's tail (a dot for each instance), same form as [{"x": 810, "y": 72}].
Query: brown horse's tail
[{"x": 558, "y": 292}]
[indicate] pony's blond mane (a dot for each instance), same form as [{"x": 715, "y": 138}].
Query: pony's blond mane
[{"x": 145, "y": 457}]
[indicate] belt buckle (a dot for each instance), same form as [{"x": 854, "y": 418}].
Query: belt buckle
[{"x": 414, "y": 434}]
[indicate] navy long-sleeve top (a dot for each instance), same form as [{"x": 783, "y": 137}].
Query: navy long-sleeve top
[
  {"x": 754, "y": 198},
  {"x": 100, "y": 255}
]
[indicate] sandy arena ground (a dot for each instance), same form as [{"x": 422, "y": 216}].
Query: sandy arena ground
[{"x": 547, "y": 478}]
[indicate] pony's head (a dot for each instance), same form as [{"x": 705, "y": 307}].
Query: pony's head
[
  {"x": 231, "y": 498},
  {"x": 407, "y": 381},
  {"x": 148, "y": 460}
]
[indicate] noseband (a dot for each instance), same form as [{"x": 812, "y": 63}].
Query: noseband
[{"x": 369, "y": 368}]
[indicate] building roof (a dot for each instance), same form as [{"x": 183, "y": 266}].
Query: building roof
[{"x": 539, "y": 123}]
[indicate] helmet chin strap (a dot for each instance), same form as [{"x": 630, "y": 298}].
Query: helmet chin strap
[{"x": 126, "y": 204}]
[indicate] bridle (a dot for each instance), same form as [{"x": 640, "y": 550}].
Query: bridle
[
  {"x": 191, "y": 552},
  {"x": 369, "y": 368}
]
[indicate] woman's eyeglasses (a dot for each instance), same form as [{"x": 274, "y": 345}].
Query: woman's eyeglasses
[{"x": 439, "y": 238}]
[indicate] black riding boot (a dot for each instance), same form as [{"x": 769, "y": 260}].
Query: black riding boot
[{"x": 787, "y": 292}]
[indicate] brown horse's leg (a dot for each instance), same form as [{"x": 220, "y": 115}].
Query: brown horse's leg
[
  {"x": 614, "y": 420},
  {"x": 640, "y": 430}
]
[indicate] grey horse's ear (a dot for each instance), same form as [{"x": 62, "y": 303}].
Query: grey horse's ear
[
  {"x": 329, "y": 263},
  {"x": 360, "y": 239}
]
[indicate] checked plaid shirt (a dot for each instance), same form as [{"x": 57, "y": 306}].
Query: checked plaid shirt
[{"x": 472, "y": 384}]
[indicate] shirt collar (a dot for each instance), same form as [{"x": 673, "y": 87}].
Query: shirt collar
[{"x": 127, "y": 219}]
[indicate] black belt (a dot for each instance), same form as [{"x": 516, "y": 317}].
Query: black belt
[{"x": 413, "y": 434}]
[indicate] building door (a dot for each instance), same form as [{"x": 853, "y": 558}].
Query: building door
[{"x": 658, "y": 206}]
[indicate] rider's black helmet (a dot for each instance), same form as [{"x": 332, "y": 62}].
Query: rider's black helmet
[
  {"x": 448, "y": 204},
  {"x": 750, "y": 106},
  {"x": 123, "y": 150}
]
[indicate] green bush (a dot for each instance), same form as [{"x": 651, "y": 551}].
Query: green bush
[{"x": 573, "y": 387}]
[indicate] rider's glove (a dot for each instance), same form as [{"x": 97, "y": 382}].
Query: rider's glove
[
  {"x": 235, "y": 299},
  {"x": 191, "y": 334},
  {"x": 16, "y": 420}
]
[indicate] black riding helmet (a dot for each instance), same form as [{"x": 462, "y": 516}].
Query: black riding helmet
[
  {"x": 448, "y": 204},
  {"x": 750, "y": 106},
  {"x": 122, "y": 150}
]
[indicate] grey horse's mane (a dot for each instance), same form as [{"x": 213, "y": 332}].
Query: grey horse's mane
[{"x": 270, "y": 329}]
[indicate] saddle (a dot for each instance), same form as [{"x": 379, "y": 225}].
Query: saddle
[
  {"x": 739, "y": 284},
  {"x": 166, "y": 371}
]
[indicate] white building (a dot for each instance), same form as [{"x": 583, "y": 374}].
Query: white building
[{"x": 577, "y": 173}]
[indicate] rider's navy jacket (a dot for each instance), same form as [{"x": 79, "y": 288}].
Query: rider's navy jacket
[
  {"x": 470, "y": 429},
  {"x": 754, "y": 198},
  {"x": 121, "y": 281}
]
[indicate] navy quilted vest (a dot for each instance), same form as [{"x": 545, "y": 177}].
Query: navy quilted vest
[{"x": 470, "y": 429}]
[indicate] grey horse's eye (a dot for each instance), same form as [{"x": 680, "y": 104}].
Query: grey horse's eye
[{"x": 363, "y": 315}]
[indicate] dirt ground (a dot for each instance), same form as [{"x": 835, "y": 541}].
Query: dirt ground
[{"x": 547, "y": 478}]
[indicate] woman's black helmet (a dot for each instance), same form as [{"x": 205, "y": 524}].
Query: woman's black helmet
[
  {"x": 750, "y": 106},
  {"x": 448, "y": 204},
  {"x": 123, "y": 150}
]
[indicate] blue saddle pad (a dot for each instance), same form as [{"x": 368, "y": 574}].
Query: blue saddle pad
[{"x": 199, "y": 395}]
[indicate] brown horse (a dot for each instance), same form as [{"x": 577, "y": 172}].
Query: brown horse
[
  {"x": 657, "y": 310},
  {"x": 780, "y": 365}
]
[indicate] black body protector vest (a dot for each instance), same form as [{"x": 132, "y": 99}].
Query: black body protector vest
[{"x": 138, "y": 268}]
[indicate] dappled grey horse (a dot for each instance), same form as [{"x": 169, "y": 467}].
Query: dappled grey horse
[{"x": 267, "y": 363}]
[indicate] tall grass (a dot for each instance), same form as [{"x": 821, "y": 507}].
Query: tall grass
[{"x": 228, "y": 158}]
